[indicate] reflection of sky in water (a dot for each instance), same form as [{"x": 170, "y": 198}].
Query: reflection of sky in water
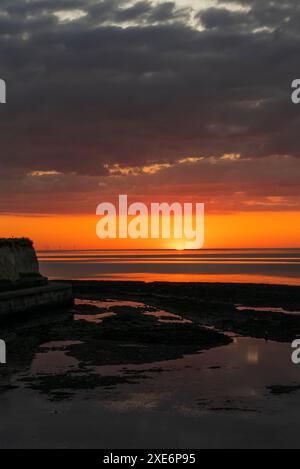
[
  {"x": 212, "y": 399},
  {"x": 253, "y": 266},
  {"x": 94, "y": 318},
  {"x": 109, "y": 304},
  {"x": 267, "y": 310},
  {"x": 236, "y": 375},
  {"x": 52, "y": 359},
  {"x": 163, "y": 317},
  {"x": 233, "y": 376},
  {"x": 239, "y": 372}
]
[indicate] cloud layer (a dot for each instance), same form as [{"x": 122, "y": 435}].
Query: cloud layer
[{"x": 96, "y": 85}]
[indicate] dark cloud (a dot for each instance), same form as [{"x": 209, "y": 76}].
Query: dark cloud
[
  {"x": 144, "y": 11},
  {"x": 136, "y": 82}
]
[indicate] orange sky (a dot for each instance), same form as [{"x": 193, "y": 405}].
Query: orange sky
[
  {"x": 163, "y": 111},
  {"x": 242, "y": 230}
]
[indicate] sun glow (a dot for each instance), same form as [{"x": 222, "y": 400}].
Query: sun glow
[{"x": 234, "y": 231}]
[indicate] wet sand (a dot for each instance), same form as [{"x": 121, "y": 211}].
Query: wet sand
[{"x": 155, "y": 365}]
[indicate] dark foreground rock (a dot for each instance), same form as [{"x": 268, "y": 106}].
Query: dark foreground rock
[
  {"x": 95, "y": 336},
  {"x": 215, "y": 305},
  {"x": 128, "y": 337}
]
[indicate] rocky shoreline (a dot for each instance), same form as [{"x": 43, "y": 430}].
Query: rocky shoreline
[{"x": 119, "y": 323}]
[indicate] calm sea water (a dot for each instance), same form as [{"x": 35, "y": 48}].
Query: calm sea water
[{"x": 277, "y": 266}]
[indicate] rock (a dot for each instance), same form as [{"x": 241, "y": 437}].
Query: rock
[
  {"x": 22, "y": 288},
  {"x": 18, "y": 263}
]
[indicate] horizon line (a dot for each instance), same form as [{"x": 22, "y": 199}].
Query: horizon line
[{"x": 171, "y": 249}]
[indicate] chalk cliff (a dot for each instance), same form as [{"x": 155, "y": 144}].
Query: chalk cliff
[
  {"x": 22, "y": 288},
  {"x": 18, "y": 263}
]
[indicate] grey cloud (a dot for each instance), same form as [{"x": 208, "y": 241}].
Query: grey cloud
[
  {"x": 281, "y": 15},
  {"x": 133, "y": 82},
  {"x": 224, "y": 18}
]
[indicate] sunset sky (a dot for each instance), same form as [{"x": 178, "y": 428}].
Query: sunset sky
[{"x": 185, "y": 101}]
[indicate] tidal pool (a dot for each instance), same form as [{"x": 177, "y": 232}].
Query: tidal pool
[{"x": 218, "y": 398}]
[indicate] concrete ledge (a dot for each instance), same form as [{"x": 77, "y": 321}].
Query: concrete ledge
[{"x": 51, "y": 295}]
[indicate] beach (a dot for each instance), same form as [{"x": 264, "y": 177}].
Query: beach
[{"x": 155, "y": 365}]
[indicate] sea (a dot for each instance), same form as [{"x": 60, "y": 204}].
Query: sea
[{"x": 269, "y": 266}]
